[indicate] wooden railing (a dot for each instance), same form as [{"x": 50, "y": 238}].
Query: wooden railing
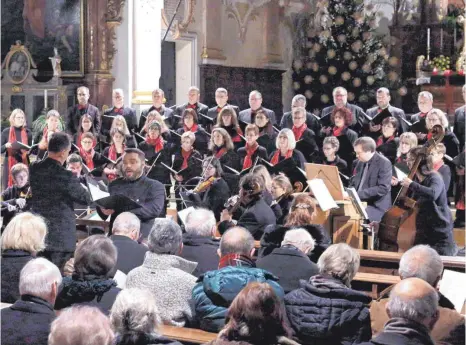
[{"x": 190, "y": 335}]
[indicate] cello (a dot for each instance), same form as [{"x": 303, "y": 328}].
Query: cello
[{"x": 397, "y": 229}]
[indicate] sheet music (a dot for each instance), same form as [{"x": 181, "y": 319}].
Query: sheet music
[
  {"x": 452, "y": 287},
  {"x": 96, "y": 193},
  {"x": 354, "y": 195},
  {"x": 183, "y": 214},
  {"x": 120, "y": 279},
  {"x": 321, "y": 193},
  {"x": 400, "y": 175}
]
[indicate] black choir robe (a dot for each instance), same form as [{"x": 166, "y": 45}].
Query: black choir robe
[
  {"x": 346, "y": 150},
  {"x": 170, "y": 119},
  {"x": 201, "y": 143},
  {"x": 312, "y": 121},
  {"x": 16, "y": 153},
  {"x": 158, "y": 171},
  {"x": 359, "y": 117},
  {"x": 297, "y": 156},
  {"x": 199, "y": 108},
  {"x": 267, "y": 139},
  {"x": 194, "y": 164},
  {"x": 307, "y": 145},
  {"x": 389, "y": 148},
  {"x": 74, "y": 115},
  {"x": 213, "y": 113},
  {"x": 107, "y": 119},
  {"x": 260, "y": 152}
]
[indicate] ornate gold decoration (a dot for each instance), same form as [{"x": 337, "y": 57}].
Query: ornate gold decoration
[
  {"x": 16, "y": 89},
  {"x": 243, "y": 13},
  {"x": 103, "y": 51},
  {"x": 18, "y": 63},
  {"x": 114, "y": 11},
  {"x": 180, "y": 27},
  {"x": 91, "y": 51},
  {"x": 105, "y": 107},
  {"x": 204, "y": 54},
  {"x": 114, "y": 18}
]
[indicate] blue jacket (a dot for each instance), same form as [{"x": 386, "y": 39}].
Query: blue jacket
[{"x": 215, "y": 291}]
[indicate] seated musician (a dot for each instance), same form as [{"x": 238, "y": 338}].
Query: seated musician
[
  {"x": 460, "y": 194},
  {"x": 305, "y": 137},
  {"x": 17, "y": 131},
  {"x": 282, "y": 191},
  {"x": 408, "y": 140},
  {"x": 342, "y": 119},
  {"x": 263, "y": 173},
  {"x": 387, "y": 143},
  {"x": 120, "y": 123},
  {"x": 85, "y": 125},
  {"x": 267, "y": 134},
  {"x": 14, "y": 198},
  {"x": 252, "y": 150},
  {"x": 330, "y": 147},
  {"x": 190, "y": 122},
  {"x": 286, "y": 145},
  {"x": 91, "y": 158},
  {"x": 212, "y": 191},
  {"x": 301, "y": 215},
  {"x": 148, "y": 193},
  {"x": 114, "y": 152},
  {"x": 74, "y": 163},
  {"x": 371, "y": 178},
  {"x": 434, "y": 222},
  {"x": 253, "y": 214},
  {"x": 228, "y": 120}
]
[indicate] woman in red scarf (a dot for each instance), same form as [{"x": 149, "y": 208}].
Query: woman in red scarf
[
  {"x": 342, "y": 118},
  {"x": 222, "y": 148},
  {"x": 305, "y": 137},
  {"x": 119, "y": 122},
  {"x": 267, "y": 134},
  {"x": 91, "y": 159},
  {"x": 228, "y": 120},
  {"x": 286, "y": 145},
  {"x": 16, "y": 132},
  {"x": 114, "y": 152},
  {"x": 190, "y": 122},
  {"x": 387, "y": 143},
  {"x": 85, "y": 126},
  {"x": 249, "y": 153}
]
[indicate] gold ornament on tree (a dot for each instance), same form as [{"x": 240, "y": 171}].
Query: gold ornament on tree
[
  {"x": 353, "y": 65},
  {"x": 296, "y": 85},
  {"x": 341, "y": 38},
  {"x": 363, "y": 98},
  {"x": 331, "y": 53},
  {"x": 357, "y": 82},
  {"x": 324, "y": 98},
  {"x": 315, "y": 66},
  {"x": 339, "y": 20},
  {"x": 347, "y": 55},
  {"x": 393, "y": 61},
  {"x": 323, "y": 79},
  {"x": 366, "y": 35},
  {"x": 366, "y": 68},
  {"x": 370, "y": 80},
  {"x": 402, "y": 91},
  {"x": 332, "y": 70},
  {"x": 350, "y": 96},
  {"x": 308, "y": 79},
  {"x": 308, "y": 94},
  {"x": 345, "y": 76}
]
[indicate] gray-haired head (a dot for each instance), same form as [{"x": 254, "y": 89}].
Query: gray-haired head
[
  {"x": 421, "y": 262},
  {"x": 127, "y": 224},
  {"x": 40, "y": 278},
  {"x": 299, "y": 238},
  {"x": 367, "y": 144},
  {"x": 426, "y": 94},
  {"x": 237, "y": 240},
  {"x": 340, "y": 261},
  {"x": 135, "y": 310},
  {"x": 165, "y": 237},
  {"x": 200, "y": 222},
  {"x": 414, "y": 299},
  {"x": 298, "y": 101}
]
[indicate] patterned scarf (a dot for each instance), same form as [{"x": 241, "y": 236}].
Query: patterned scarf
[
  {"x": 249, "y": 153},
  {"x": 298, "y": 131},
  {"x": 185, "y": 155},
  {"x": 219, "y": 151},
  {"x": 337, "y": 131},
  {"x": 381, "y": 140},
  {"x": 157, "y": 143},
  {"x": 276, "y": 156},
  {"x": 192, "y": 129},
  {"x": 11, "y": 159},
  {"x": 236, "y": 260},
  {"x": 87, "y": 157}
]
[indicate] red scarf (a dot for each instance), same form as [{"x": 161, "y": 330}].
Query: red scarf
[
  {"x": 276, "y": 156},
  {"x": 78, "y": 144},
  {"x": 220, "y": 153},
  {"x": 185, "y": 155},
  {"x": 113, "y": 155},
  {"x": 298, "y": 131},
  {"x": 381, "y": 141},
  {"x": 118, "y": 110},
  {"x": 11, "y": 159},
  {"x": 87, "y": 157},
  {"x": 157, "y": 143},
  {"x": 429, "y": 135},
  {"x": 219, "y": 109},
  {"x": 192, "y": 106},
  {"x": 249, "y": 153},
  {"x": 235, "y": 260},
  {"x": 422, "y": 115},
  {"x": 438, "y": 165},
  {"x": 337, "y": 131},
  {"x": 237, "y": 138},
  {"x": 192, "y": 129},
  {"x": 81, "y": 107},
  {"x": 401, "y": 159}
]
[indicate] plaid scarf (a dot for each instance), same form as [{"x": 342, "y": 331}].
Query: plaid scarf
[
  {"x": 236, "y": 260},
  {"x": 11, "y": 156}
]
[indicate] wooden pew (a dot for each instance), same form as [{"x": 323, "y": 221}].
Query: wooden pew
[
  {"x": 378, "y": 282},
  {"x": 190, "y": 335}
]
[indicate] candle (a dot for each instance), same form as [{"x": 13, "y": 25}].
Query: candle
[
  {"x": 45, "y": 99},
  {"x": 454, "y": 38},
  {"x": 441, "y": 40},
  {"x": 428, "y": 42}
]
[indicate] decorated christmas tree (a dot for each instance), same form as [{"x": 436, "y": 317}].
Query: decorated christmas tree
[{"x": 342, "y": 49}]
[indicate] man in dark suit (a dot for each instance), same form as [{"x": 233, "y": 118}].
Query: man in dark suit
[
  {"x": 125, "y": 235},
  {"x": 158, "y": 96},
  {"x": 340, "y": 99},
  {"x": 425, "y": 102},
  {"x": 383, "y": 102},
  {"x": 148, "y": 193},
  {"x": 199, "y": 244},
  {"x": 28, "y": 320},
  {"x": 54, "y": 192},
  {"x": 312, "y": 121},
  {"x": 221, "y": 98},
  {"x": 83, "y": 107},
  {"x": 372, "y": 178},
  {"x": 118, "y": 109},
  {"x": 255, "y": 103},
  {"x": 459, "y": 124},
  {"x": 193, "y": 103}
]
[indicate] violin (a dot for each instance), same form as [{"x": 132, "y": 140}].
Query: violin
[
  {"x": 234, "y": 202},
  {"x": 203, "y": 185},
  {"x": 27, "y": 194}
]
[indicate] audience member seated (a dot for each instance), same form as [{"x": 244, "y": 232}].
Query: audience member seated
[
  {"x": 94, "y": 263},
  {"x": 81, "y": 325},
  {"x": 165, "y": 274},
  {"x": 28, "y": 320},
  {"x": 325, "y": 310},
  {"x": 198, "y": 242},
  {"x": 412, "y": 310},
  {"x": 302, "y": 213},
  {"x": 291, "y": 262},
  {"x": 130, "y": 254},
  {"x": 215, "y": 290},
  {"x": 256, "y": 316},
  {"x": 135, "y": 319},
  {"x": 22, "y": 239},
  {"x": 424, "y": 263}
]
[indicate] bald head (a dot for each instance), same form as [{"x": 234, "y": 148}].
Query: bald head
[
  {"x": 415, "y": 300},
  {"x": 237, "y": 240},
  {"x": 421, "y": 262},
  {"x": 127, "y": 224}
]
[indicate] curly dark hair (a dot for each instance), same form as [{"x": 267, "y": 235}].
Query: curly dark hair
[{"x": 345, "y": 112}]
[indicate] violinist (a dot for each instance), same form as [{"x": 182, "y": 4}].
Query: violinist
[
  {"x": 252, "y": 211},
  {"x": 120, "y": 123},
  {"x": 330, "y": 148},
  {"x": 434, "y": 223},
  {"x": 16, "y": 132},
  {"x": 212, "y": 191},
  {"x": 91, "y": 158},
  {"x": 267, "y": 134},
  {"x": 286, "y": 145},
  {"x": 17, "y": 195},
  {"x": 228, "y": 120},
  {"x": 387, "y": 143},
  {"x": 282, "y": 191},
  {"x": 85, "y": 125},
  {"x": 305, "y": 137},
  {"x": 190, "y": 123},
  {"x": 114, "y": 152},
  {"x": 249, "y": 153}
]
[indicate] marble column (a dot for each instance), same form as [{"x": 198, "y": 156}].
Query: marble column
[{"x": 212, "y": 52}]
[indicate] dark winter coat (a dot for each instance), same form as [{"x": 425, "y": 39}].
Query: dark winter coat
[
  {"x": 130, "y": 253},
  {"x": 13, "y": 262},
  {"x": 202, "y": 250}
]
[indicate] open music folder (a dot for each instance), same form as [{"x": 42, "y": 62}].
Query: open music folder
[{"x": 119, "y": 203}]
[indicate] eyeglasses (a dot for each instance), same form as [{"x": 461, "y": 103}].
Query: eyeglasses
[
  {"x": 82, "y": 94},
  {"x": 387, "y": 126},
  {"x": 298, "y": 117},
  {"x": 86, "y": 142}
]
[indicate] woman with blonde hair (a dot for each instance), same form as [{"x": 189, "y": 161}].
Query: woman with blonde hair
[
  {"x": 408, "y": 140},
  {"x": 120, "y": 122},
  {"x": 301, "y": 215},
  {"x": 286, "y": 148},
  {"x": 22, "y": 239},
  {"x": 19, "y": 132},
  {"x": 451, "y": 142},
  {"x": 282, "y": 194}
]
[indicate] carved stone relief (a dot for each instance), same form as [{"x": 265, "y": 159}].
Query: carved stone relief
[{"x": 184, "y": 16}]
